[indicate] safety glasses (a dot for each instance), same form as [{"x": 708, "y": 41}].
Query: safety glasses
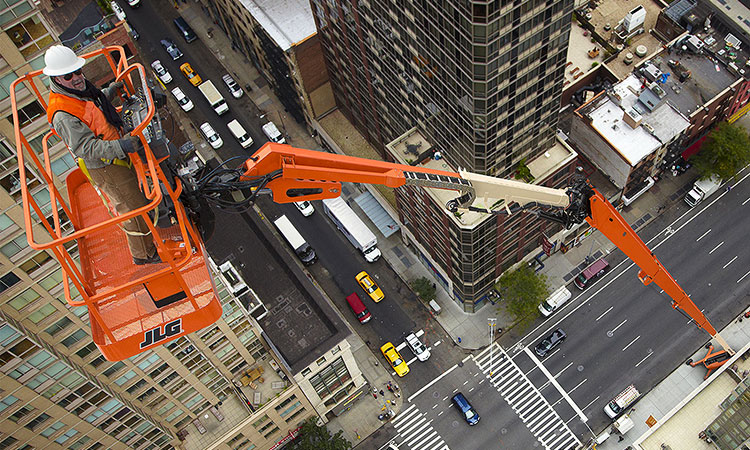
[{"x": 69, "y": 76}]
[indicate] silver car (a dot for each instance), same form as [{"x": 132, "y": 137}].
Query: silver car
[
  {"x": 234, "y": 88},
  {"x": 417, "y": 347}
]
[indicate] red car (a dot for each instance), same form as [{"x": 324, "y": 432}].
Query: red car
[{"x": 355, "y": 303}]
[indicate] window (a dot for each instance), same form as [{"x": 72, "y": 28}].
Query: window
[
  {"x": 21, "y": 413},
  {"x": 63, "y": 164},
  {"x": 37, "y": 143},
  {"x": 9, "y": 279},
  {"x": 15, "y": 246},
  {"x": 67, "y": 435},
  {"x": 6, "y": 402},
  {"x": 23, "y": 299},
  {"x": 73, "y": 338},
  {"x": 58, "y": 326},
  {"x": 42, "y": 313},
  {"x": 30, "y": 36},
  {"x": 125, "y": 378},
  {"x": 36, "y": 421},
  {"x": 28, "y": 113},
  {"x": 5, "y": 83},
  {"x": 52, "y": 429}
]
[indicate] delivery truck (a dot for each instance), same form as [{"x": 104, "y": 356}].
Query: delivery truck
[
  {"x": 213, "y": 97},
  {"x": 352, "y": 227},
  {"x": 303, "y": 250},
  {"x": 702, "y": 189}
]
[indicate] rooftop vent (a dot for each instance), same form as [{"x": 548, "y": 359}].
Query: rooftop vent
[{"x": 632, "y": 118}]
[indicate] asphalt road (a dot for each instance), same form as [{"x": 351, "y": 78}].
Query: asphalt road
[
  {"x": 623, "y": 333},
  {"x": 154, "y": 22}
]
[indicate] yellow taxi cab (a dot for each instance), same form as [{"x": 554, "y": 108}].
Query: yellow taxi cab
[
  {"x": 369, "y": 286},
  {"x": 190, "y": 74},
  {"x": 394, "y": 359}
]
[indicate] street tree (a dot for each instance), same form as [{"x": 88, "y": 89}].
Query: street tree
[
  {"x": 314, "y": 437},
  {"x": 724, "y": 153},
  {"x": 424, "y": 288},
  {"x": 522, "y": 291}
]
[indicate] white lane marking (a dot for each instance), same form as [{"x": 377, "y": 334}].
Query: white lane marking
[
  {"x": 743, "y": 277},
  {"x": 703, "y": 235},
  {"x": 631, "y": 343},
  {"x": 714, "y": 249},
  {"x": 419, "y": 333},
  {"x": 747, "y": 200},
  {"x": 618, "y": 326},
  {"x": 647, "y": 357},
  {"x": 556, "y": 384},
  {"x": 414, "y": 395},
  {"x": 730, "y": 262},
  {"x": 592, "y": 402},
  {"x": 605, "y": 312},
  {"x": 435, "y": 344}
]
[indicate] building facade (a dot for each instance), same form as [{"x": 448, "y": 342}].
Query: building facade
[
  {"x": 58, "y": 391},
  {"x": 481, "y": 81}
]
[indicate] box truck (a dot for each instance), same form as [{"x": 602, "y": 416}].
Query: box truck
[
  {"x": 303, "y": 250},
  {"x": 213, "y": 96},
  {"x": 353, "y": 228},
  {"x": 702, "y": 189}
]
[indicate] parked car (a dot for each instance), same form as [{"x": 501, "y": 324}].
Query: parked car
[
  {"x": 550, "y": 342},
  {"x": 306, "y": 208},
  {"x": 191, "y": 74},
  {"x": 394, "y": 359},
  {"x": 211, "y": 135},
  {"x": 161, "y": 72},
  {"x": 359, "y": 309},
  {"x": 119, "y": 13},
  {"x": 172, "y": 49},
  {"x": 234, "y": 88},
  {"x": 133, "y": 32},
  {"x": 467, "y": 411},
  {"x": 369, "y": 286},
  {"x": 417, "y": 347},
  {"x": 591, "y": 273},
  {"x": 185, "y": 103}
]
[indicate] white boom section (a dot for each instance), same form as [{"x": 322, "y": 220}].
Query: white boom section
[{"x": 491, "y": 190}]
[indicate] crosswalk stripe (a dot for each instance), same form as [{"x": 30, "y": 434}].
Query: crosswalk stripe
[
  {"x": 526, "y": 400},
  {"x": 415, "y": 431}
]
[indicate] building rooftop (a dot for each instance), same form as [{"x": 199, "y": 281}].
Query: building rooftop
[
  {"x": 299, "y": 322},
  {"x": 656, "y": 120},
  {"x": 736, "y": 11},
  {"x": 288, "y": 22},
  {"x": 611, "y": 12}
]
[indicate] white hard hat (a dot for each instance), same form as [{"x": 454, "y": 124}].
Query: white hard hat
[{"x": 61, "y": 60}]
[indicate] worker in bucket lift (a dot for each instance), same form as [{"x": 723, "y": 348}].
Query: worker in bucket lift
[{"x": 88, "y": 123}]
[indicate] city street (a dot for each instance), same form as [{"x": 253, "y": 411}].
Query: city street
[{"x": 618, "y": 333}]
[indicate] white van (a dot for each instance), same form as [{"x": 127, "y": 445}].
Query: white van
[
  {"x": 554, "y": 301},
  {"x": 273, "y": 134},
  {"x": 239, "y": 132},
  {"x": 622, "y": 401}
]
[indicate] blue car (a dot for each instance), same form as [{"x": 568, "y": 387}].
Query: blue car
[{"x": 464, "y": 407}]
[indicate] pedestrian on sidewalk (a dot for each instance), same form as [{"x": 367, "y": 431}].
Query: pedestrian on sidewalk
[
  {"x": 382, "y": 393},
  {"x": 390, "y": 389}
]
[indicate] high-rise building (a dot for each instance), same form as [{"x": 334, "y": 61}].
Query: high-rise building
[{"x": 481, "y": 81}]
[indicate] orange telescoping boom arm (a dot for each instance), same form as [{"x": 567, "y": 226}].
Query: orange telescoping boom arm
[{"x": 293, "y": 174}]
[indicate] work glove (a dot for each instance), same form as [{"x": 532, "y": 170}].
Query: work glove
[{"x": 131, "y": 144}]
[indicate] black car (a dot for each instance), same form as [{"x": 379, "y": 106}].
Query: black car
[
  {"x": 172, "y": 49},
  {"x": 550, "y": 342}
]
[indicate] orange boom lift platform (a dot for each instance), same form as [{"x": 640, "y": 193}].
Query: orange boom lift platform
[{"x": 131, "y": 308}]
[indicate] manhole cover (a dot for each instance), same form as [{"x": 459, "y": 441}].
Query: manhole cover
[
  {"x": 610, "y": 333},
  {"x": 436, "y": 394},
  {"x": 580, "y": 368}
]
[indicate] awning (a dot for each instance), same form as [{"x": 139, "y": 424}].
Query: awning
[{"x": 377, "y": 214}]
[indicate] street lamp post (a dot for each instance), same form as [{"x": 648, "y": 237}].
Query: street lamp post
[{"x": 492, "y": 339}]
